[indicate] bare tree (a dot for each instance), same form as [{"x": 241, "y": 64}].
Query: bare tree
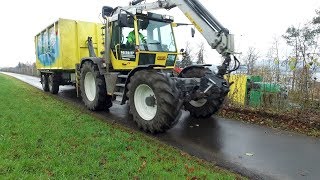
[
  {"x": 316, "y": 21},
  {"x": 292, "y": 38},
  {"x": 274, "y": 61},
  {"x": 186, "y": 59},
  {"x": 27, "y": 68},
  {"x": 305, "y": 44},
  {"x": 200, "y": 54},
  {"x": 276, "y": 58},
  {"x": 250, "y": 59}
]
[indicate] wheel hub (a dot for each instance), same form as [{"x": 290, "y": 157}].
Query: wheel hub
[
  {"x": 151, "y": 101},
  {"x": 145, "y": 102}
]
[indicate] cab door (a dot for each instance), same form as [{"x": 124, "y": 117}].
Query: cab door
[{"x": 123, "y": 54}]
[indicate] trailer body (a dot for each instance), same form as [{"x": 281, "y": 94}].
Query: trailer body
[{"x": 63, "y": 44}]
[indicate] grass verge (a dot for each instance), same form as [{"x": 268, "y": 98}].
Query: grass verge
[{"x": 41, "y": 137}]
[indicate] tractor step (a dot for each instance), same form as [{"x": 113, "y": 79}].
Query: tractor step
[
  {"x": 122, "y": 76},
  {"x": 118, "y": 94},
  {"x": 120, "y": 85},
  {"x": 117, "y": 100}
]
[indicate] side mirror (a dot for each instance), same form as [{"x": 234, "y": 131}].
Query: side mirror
[
  {"x": 192, "y": 32},
  {"x": 182, "y": 52},
  {"x": 107, "y": 11},
  {"x": 123, "y": 20}
]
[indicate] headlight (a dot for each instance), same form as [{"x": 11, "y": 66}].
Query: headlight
[{"x": 171, "y": 59}]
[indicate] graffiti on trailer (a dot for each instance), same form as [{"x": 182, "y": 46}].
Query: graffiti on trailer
[{"x": 48, "y": 47}]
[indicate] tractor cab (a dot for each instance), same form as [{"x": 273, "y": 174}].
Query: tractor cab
[{"x": 142, "y": 39}]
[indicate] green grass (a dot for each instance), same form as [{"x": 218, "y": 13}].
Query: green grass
[{"x": 42, "y": 137}]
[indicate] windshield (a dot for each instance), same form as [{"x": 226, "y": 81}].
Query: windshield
[{"x": 156, "y": 36}]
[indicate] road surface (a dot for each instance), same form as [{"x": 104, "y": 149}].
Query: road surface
[{"x": 251, "y": 150}]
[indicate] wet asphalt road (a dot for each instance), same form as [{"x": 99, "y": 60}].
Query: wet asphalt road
[{"x": 254, "y": 151}]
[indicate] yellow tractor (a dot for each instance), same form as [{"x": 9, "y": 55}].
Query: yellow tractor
[{"x": 137, "y": 62}]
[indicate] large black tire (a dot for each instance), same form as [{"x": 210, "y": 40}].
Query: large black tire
[
  {"x": 165, "y": 98},
  {"x": 209, "y": 106},
  {"x": 54, "y": 83},
  {"x": 44, "y": 82},
  {"x": 100, "y": 100}
]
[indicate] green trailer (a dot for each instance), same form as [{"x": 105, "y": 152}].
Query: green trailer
[{"x": 263, "y": 93}]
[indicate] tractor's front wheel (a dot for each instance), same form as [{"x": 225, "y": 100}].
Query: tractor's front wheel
[
  {"x": 202, "y": 108},
  {"x": 153, "y": 101},
  {"x": 93, "y": 88}
]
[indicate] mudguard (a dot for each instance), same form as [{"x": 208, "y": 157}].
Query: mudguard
[
  {"x": 193, "y": 66},
  {"x": 98, "y": 61}
]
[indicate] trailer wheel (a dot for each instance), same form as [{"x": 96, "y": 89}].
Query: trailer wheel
[
  {"x": 202, "y": 108},
  {"x": 53, "y": 83},
  {"x": 153, "y": 101},
  {"x": 44, "y": 82},
  {"x": 93, "y": 88}
]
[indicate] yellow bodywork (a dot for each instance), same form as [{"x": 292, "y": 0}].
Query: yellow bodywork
[
  {"x": 161, "y": 59},
  {"x": 238, "y": 89},
  {"x": 63, "y": 44}
]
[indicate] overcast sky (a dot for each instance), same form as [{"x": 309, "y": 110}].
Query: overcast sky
[{"x": 254, "y": 22}]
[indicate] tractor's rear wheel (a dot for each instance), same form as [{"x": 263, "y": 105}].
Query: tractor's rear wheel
[
  {"x": 54, "y": 83},
  {"x": 93, "y": 88},
  {"x": 44, "y": 82},
  {"x": 201, "y": 108},
  {"x": 153, "y": 101}
]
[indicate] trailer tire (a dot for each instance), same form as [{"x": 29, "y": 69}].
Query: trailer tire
[
  {"x": 93, "y": 88},
  {"x": 202, "y": 108},
  {"x": 153, "y": 101},
  {"x": 44, "y": 82},
  {"x": 53, "y": 83}
]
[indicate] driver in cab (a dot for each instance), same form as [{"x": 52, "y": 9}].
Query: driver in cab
[{"x": 131, "y": 38}]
